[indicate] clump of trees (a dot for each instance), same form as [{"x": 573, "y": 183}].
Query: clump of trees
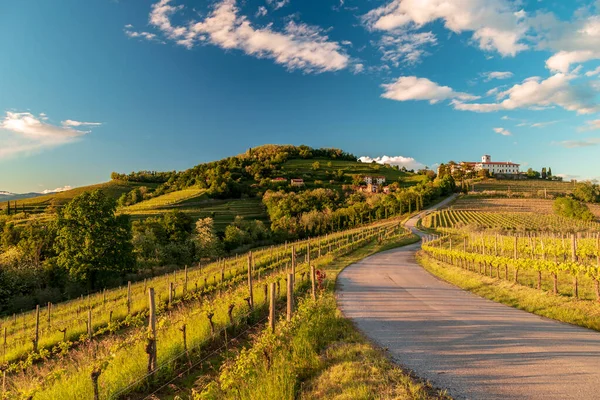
[
  {"x": 571, "y": 208},
  {"x": 587, "y": 191},
  {"x": 236, "y": 176},
  {"x": 134, "y": 196}
]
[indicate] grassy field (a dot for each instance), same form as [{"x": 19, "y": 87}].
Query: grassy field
[
  {"x": 190, "y": 195},
  {"x": 113, "y": 189},
  {"x": 222, "y": 211}
]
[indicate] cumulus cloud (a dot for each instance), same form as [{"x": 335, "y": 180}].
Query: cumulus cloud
[
  {"x": 129, "y": 32},
  {"x": 57, "y": 190},
  {"x": 401, "y": 161},
  {"x": 298, "y": 46},
  {"x": 535, "y": 93},
  {"x": 574, "y": 41},
  {"x": 497, "y": 75},
  {"x": 413, "y": 88},
  {"x": 502, "y": 131},
  {"x": 495, "y": 24},
  {"x": 405, "y": 47},
  {"x": 23, "y": 133}
]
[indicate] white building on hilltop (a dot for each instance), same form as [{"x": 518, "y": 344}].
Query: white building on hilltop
[{"x": 497, "y": 167}]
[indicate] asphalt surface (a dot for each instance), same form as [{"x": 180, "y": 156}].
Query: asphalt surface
[{"x": 472, "y": 347}]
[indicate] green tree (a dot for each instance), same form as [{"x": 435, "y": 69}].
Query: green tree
[
  {"x": 549, "y": 173},
  {"x": 544, "y": 175},
  {"x": 316, "y": 165},
  {"x": 570, "y": 208},
  {"x": 587, "y": 191},
  {"x": 92, "y": 241}
]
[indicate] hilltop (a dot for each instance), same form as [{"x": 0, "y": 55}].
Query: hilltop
[{"x": 226, "y": 188}]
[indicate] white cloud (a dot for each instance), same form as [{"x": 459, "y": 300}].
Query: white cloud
[
  {"x": 497, "y": 75},
  {"x": 534, "y": 93},
  {"x": 135, "y": 34},
  {"x": 261, "y": 12},
  {"x": 502, "y": 131},
  {"x": 574, "y": 41},
  {"x": 406, "y": 47},
  {"x": 590, "y": 125},
  {"x": 492, "y": 92},
  {"x": 278, "y": 4},
  {"x": 593, "y": 72},
  {"x": 408, "y": 162},
  {"x": 494, "y": 24},
  {"x": 572, "y": 144},
  {"x": 413, "y": 88},
  {"x": 70, "y": 122},
  {"x": 298, "y": 47},
  {"x": 24, "y": 133},
  {"x": 57, "y": 190}
]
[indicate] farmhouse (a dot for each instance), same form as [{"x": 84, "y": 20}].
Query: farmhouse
[
  {"x": 297, "y": 182},
  {"x": 380, "y": 180},
  {"x": 278, "y": 180},
  {"x": 497, "y": 167}
]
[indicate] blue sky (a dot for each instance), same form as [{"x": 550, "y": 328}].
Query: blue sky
[{"x": 87, "y": 88}]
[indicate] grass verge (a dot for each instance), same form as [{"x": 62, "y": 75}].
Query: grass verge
[
  {"x": 567, "y": 309},
  {"x": 317, "y": 355}
]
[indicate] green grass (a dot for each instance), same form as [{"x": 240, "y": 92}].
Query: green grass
[
  {"x": 563, "y": 308},
  {"x": 222, "y": 211},
  {"x": 189, "y": 195},
  {"x": 112, "y": 189}
]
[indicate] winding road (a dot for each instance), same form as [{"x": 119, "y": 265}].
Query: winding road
[{"x": 473, "y": 347}]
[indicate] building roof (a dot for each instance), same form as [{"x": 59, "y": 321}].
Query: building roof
[
  {"x": 297, "y": 180},
  {"x": 499, "y": 163}
]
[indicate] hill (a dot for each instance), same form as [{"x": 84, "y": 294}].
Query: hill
[{"x": 41, "y": 202}]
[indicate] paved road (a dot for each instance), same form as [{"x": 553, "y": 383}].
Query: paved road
[{"x": 474, "y": 348}]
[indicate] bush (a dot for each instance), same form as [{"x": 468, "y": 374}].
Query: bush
[{"x": 570, "y": 208}]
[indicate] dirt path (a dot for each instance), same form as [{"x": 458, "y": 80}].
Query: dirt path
[{"x": 473, "y": 347}]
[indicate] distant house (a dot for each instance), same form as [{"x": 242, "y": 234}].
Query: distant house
[
  {"x": 380, "y": 180},
  {"x": 386, "y": 189},
  {"x": 278, "y": 180},
  {"x": 297, "y": 182}
]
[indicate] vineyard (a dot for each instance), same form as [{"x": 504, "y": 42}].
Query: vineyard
[
  {"x": 524, "y": 221},
  {"x": 478, "y": 203},
  {"x": 558, "y": 263},
  {"x": 101, "y": 346},
  {"x": 168, "y": 199},
  {"x": 534, "y": 187}
]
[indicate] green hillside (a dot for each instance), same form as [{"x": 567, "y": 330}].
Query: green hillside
[
  {"x": 113, "y": 189},
  {"x": 304, "y": 169},
  {"x": 530, "y": 186}
]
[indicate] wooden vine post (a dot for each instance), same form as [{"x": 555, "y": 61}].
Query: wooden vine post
[
  {"x": 170, "y": 294},
  {"x": 151, "y": 346},
  {"x": 294, "y": 262},
  {"x": 90, "y": 329},
  {"x": 37, "y": 328},
  {"x": 185, "y": 281},
  {"x": 128, "y": 297},
  {"x": 272, "y": 307},
  {"x": 49, "y": 311},
  {"x": 251, "y": 294},
  {"x": 290, "y": 297},
  {"x": 313, "y": 282}
]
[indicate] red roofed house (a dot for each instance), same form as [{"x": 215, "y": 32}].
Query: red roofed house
[
  {"x": 297, "y": 182},
  {"x": 498, "y": 167}
]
